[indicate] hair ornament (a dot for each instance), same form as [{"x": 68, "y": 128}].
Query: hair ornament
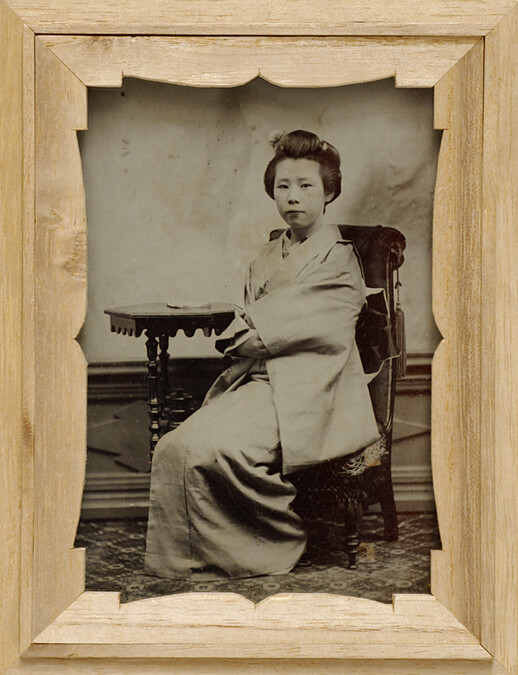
[
  {"x": 276, "y": 137},
  {"x": 323, "y": 145}
]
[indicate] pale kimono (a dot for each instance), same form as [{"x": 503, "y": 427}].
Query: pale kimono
[{"x": 220, "y": 503}]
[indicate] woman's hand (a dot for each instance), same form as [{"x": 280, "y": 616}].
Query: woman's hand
[{"x": 253, "y": 347}]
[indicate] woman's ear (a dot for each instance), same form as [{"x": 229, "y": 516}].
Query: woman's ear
[{"x": 328, "y": 198}]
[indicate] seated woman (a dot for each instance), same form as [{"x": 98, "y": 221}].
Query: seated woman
[{"x": 295, "y": 394}]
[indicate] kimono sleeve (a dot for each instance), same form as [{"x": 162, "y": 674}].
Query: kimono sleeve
[
  {"x": 240, "y": 329},
  {"x": 315, "y": 312}
]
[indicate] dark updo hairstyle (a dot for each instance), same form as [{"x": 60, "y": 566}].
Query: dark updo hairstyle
[{"x": 302, "y": 144}]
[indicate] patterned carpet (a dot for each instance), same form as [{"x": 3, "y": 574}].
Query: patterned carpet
[{"x": 115, "y": 552}]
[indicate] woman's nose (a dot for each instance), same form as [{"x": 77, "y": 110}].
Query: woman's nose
[{"x": 293, "y": 195}]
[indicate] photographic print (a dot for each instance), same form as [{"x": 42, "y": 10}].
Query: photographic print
[{"x": 259, "y": 324}]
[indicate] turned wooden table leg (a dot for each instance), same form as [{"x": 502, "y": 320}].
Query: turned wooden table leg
[
  {"x": 165, "y": 389},
  {"x": 154, "y": 411}
]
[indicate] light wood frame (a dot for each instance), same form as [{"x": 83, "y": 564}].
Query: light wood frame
[{"x": 51, "y": 52}]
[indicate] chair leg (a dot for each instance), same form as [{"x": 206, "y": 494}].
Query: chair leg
[
  {"x": 352, "y": 519},
  {"x": 387, "y": 503}
]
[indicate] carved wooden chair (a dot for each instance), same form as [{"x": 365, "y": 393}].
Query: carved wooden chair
[{"x": 348, "y": 484}]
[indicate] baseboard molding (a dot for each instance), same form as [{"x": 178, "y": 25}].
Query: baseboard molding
[
  {"x": 124, "y": 495},
  {"x": 413, "y": 489},
  {"x": 115, "y": 495},
  {"x": 418, "y": 378},
  {"x": 127, "y": 381}
]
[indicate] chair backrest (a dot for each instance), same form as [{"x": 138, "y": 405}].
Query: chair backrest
[{"x": 380, "y": 252}]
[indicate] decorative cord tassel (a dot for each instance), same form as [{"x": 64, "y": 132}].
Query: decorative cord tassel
[{"x": 400, "y": 333}]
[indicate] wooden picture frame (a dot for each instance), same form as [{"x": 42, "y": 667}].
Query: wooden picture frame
[{"x": 51, "y": 52}]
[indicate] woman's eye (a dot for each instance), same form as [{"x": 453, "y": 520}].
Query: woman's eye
[{"x": 306, "y": 184}]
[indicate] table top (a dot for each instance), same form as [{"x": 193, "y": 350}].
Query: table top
[
  {"x": 162, "y": 310},
  {"x": 157, "y": 318}
]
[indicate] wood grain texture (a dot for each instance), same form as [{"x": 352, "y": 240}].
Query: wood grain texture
[
  {"x": 456, "y": 367},
  {"x": 248, "y": 17},
  {"x": 224, "y": 625},
  {"x": 320, "y": 666},
  {"x": 226, "y": 62},
  {"x": 500, "y": 345},
  {"x": 60, "y": 375},
  {"x": 29, "y": 355},
  {"x": 11, "y": 220}
]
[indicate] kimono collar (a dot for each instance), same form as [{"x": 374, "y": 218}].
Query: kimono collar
[
  {"x": 285, "y": 270},
  {"x": 288, "y": 245}
]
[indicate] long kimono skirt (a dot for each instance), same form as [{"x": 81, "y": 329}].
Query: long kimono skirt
[{"x": 219, "y": 506}]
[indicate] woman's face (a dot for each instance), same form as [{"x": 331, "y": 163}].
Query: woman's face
[{"x": 299, "y": 193}]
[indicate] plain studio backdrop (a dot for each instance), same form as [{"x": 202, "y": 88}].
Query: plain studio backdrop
[{"x": 176, "y": 206}]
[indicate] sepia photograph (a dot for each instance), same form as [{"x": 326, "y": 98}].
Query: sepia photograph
[{"x": 259, "y": 337}]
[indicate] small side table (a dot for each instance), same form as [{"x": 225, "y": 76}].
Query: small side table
[{"x": 161, "y": 322}]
